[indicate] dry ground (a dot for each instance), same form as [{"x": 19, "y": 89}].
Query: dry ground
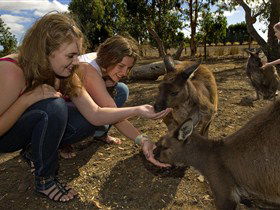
[{"x": 118, "y": 177}]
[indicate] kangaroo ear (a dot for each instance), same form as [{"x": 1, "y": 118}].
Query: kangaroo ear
[
  {"x": 189, "y": 71},
  {"x": 185, "y": 130},
  {"x": 169, "y": 63},
  {"x": 249, "y": 51},
  {"x": 258, "y": 50}
]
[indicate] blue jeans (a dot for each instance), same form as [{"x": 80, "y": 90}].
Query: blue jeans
[
  {"x": 121, "y": 96},
  {"x": 45, "y": 125}
]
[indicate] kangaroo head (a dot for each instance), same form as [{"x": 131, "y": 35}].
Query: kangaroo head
[
  {"x": 254, "y": 60},
  {"x": 173, "y": 89},
  {"x": 171, "y": 148}
]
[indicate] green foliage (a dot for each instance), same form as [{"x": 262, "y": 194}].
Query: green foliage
[
  {"x": 213, "y": 28},
  {"x": 99, "y": 19},
  {"x": 237, "y": 33},
  {"x": 163, "y": 17},
  {"x": 7, "y": 40}
]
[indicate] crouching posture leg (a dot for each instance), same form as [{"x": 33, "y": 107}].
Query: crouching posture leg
[{"x": 44, "y": 126}]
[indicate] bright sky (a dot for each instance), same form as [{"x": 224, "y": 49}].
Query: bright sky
[{"x": 19, "y": 15}]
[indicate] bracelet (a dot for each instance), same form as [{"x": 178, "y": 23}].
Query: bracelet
[{"x": 140, "y": 138}]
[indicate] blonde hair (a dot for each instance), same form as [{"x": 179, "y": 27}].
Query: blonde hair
[
  {"x": 114, "y": 49},
  {"x": 45, "y": 36}
]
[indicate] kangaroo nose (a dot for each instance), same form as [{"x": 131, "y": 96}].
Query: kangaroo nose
[{"x": 159, "y": 107}]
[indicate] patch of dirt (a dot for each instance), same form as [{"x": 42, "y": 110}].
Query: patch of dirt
[{"x": 118, "y": 176}]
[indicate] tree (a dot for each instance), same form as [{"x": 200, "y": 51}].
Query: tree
[
  {"x": 231, "y": 34},
  {"x": 268, "y": 11},
  {"x": 237, "y": 33},
  {"x": 99, "y": 19},
  {"x": 160, "y": 18},
  {"x": 213, "y": 29},
  {"x": 7, "y": 40},
  {"x": 191, "y": 9}
]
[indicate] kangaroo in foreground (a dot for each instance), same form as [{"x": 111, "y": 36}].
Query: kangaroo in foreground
[
  {"x": 191, "y": 90},
  {"x": 244, "y": 166}
]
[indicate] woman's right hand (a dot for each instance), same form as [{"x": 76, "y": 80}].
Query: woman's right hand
[
  {"x": 41, "y": 92},
  {"x": 147, "y": 111}
]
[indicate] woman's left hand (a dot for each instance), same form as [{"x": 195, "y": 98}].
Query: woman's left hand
[{"x": 148, "y": 147}]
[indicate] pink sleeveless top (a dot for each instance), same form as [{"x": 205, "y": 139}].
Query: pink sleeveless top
[
  {"x": 12, "y": 61},
  {"x": 9, "y": 60}
]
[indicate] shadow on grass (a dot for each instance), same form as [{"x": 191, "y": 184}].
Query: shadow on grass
[
  {"x": 135, "y": 184},
  {"x": 14, "y": 173}
]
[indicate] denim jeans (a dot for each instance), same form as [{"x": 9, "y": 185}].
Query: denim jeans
[
  {"x": 121, "y": 96},
  {"x": 45, "y": 125}
]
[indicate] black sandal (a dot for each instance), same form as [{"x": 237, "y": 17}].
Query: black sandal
[{"x": 58, "y": 191}]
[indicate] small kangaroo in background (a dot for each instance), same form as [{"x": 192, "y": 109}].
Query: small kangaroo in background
[
  {"x": 265, "y": 81},
  {"x": 244, "y": 166}
]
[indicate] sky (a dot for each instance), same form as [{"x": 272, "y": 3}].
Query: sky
[{"x": 19, "y": 15}]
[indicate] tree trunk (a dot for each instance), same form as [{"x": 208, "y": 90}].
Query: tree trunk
[
  {"x": 204, "y": 47},
  {"x": 271, "y": 48},
  {"x": 179, "y": 51},
  {"x": 193, "y": 22},
  {"x": 154, "y": 34},
  {"x": 149, "y": 71}
]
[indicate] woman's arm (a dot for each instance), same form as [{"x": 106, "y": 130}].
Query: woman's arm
[
  {"x": 272, "y": 63},
  {"x": 127, "y": 129},
  {"x": 11, "y": 105},
  {"x": 103, "y": 116},
  {"x": 96, "y": 87}
]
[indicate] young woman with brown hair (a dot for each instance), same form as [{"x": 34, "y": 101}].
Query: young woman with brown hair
[{"x": 101, "y": 73}]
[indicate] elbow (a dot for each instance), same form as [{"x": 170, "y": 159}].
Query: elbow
[
  {"x": 96, "y": 118},
  {"x": 97, "y": 123}
]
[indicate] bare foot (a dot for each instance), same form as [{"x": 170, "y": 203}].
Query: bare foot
[
  {"x": 109, "y": 139},
  {"x": 67, "y": 152}
]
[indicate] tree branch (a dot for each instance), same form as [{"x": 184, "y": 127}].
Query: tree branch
[
  {"x": 250, "y": 20},
  {"x": 158, "y": 40}
]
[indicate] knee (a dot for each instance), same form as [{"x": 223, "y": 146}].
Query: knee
[
  {"x": 55, "y": 108},
  {"x": 122, "y": 93},
  {"x": 122, "y": 89}
]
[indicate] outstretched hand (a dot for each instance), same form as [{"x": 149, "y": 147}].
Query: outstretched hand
[
  {"x": 148, "y": 147},
  {"x": 148, "y": 111},
  {"x": 265, "y": 65}
]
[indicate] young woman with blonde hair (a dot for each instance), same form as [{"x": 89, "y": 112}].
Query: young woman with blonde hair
[{"x": 33, "y": 111}]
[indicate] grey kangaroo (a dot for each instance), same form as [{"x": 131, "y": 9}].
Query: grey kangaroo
[
  {"x": 191, "y": 90},
  {"x": 244, "y": 166}
]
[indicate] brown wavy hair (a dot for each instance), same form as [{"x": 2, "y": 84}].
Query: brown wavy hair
[
  {"x": 114, "y": 49},
  {"x": 45, "y": 36}
]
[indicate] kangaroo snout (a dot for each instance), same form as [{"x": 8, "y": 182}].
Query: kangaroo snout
[{"x": 159, "y": 107}]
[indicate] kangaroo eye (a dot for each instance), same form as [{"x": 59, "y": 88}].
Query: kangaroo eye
[{"x": 174, "y": 93}]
